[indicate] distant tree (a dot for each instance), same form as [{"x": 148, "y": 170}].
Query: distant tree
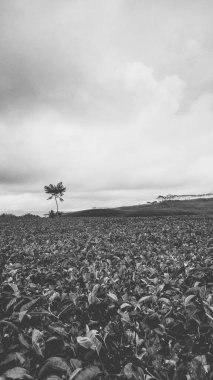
[
  {"x": 161, "y": 198},
  {"x": 56, "y": 191}
]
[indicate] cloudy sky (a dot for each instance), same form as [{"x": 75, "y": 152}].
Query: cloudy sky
[{"x": 112, "y": 97}]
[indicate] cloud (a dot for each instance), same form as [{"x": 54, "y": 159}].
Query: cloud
[
  {"x": 57, "y": 55},
  {"x": 112, "y": 98}
]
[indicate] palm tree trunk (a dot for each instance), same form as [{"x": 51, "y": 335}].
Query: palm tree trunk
[{"x": 56, "y": 204}]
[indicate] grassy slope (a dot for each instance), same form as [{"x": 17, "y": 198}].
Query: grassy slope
[{"x": 179, "y": 207}]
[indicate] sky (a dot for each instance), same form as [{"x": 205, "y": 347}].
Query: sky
[{"x": 113, "y": 98}]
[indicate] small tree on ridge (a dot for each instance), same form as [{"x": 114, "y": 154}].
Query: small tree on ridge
[{"x": 56, "y": 191}]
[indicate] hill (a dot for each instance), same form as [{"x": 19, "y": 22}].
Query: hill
[{"x": 201, "y": 206}]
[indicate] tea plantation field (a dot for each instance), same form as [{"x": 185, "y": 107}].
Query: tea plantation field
[{"x": 106, "y": 298}]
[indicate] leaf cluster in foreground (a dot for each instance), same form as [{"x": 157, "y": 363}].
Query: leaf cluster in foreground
[{"x": 106, "y": 298}]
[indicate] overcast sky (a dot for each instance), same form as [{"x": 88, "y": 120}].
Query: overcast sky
[{"x": 112, "y": 97}]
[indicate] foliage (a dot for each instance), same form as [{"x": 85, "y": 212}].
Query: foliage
[
  {"x": 51, "y": 214},
  {"x": 56, "y": 191},
  {"x": 106, "y": 298}
]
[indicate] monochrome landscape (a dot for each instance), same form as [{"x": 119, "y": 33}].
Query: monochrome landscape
[{"x": 106, "y": 192}]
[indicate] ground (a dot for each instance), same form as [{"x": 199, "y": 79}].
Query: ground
[{"x": 106, "y": 298}]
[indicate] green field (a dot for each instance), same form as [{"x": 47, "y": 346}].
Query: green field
[{"x": 106, "y": 298}]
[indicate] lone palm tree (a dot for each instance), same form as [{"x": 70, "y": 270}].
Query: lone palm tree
[{"x": 56, "y": 192}]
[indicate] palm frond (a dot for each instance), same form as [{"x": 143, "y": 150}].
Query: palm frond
[
  {"x": 51, "y": 189},
  {"x": 56, "y": 191},
  {"x": 60, "y": 188}
]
